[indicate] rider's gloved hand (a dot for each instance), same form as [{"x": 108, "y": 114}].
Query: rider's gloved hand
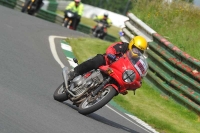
[{"x": 111, "y": 57}]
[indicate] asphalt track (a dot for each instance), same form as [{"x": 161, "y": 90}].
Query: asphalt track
[{"x": 29, "y": 75}]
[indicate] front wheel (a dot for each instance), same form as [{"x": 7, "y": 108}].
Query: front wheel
[
  {"x": 60, "y": 93},
  {"x": 92, "y": 104},
  {"x": 66, "y": 22},
  {"x": 25, "y": 6}
]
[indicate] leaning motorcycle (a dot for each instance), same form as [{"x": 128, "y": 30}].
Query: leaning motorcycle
[
  {"x": 98, "y": 31},
  {"x": 30, "y": 6},
  {"x": 94, "y": 89},
  {"x": 69, "y": 17}
]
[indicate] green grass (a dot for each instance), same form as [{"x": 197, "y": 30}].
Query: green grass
[
  {"x": 159, "y": 111},
  {"x": 178, "y": 22},
  {"x": 113, "y": 30}
]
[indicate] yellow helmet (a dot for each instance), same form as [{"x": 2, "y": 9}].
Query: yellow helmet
[{"x": 139, "y": 42}]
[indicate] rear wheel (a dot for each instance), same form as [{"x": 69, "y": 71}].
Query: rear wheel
[
  {"x": 31, "y": 12},
  {"x": 60, "y": 93},
  {"x": 92, "y": 104},
  {"x": 32, "y": 9},
  {"x": 97, "y": 32}
]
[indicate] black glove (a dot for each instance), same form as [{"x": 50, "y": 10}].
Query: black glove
[{"x": 111, "y": 57}]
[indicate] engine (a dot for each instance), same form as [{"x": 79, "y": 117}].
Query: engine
[{"x": 80, "y": 84}]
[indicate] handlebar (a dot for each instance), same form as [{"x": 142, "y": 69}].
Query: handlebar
[
  {"x": 75, "y": 13},
  {"x": 104, "y": 23}
]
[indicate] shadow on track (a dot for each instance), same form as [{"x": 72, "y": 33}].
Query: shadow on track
[
  {"x": 104, "y": 120},
  {"x": 111, "y": 123}
]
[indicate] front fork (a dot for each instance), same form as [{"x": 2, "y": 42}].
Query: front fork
[
  {"x": 65, "y": 75},
  {"x": 65, "y": 72},
  {"x": 30, "y": 4}
]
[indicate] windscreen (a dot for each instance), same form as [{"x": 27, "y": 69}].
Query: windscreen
[{"x": 139, "y": 63}]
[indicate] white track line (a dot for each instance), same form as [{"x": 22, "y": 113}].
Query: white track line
[
  {"x": 137, "y": 120},
  {"x": 53, "y": 49}
]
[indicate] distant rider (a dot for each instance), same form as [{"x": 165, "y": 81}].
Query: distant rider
[
  {"x": 103, "y": 18},
  {"x": 76, "y": 7},
  {"x": 40, "y": 4}
]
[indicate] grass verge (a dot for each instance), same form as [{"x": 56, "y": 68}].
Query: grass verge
[{"x": 161, "y": 112}]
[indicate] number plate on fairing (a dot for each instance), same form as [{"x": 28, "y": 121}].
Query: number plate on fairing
[{"x": 141, "y": 67}]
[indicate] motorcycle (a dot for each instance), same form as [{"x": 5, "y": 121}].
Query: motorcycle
[
  {"x": 98, "y": 31},
  {"x": 94, "y": 89},
  {"x": 30, "y": 6},
  {"x": 69, "y": 16}
]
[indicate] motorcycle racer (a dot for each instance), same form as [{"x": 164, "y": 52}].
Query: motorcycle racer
[
  {"x": 76, "y": 7},
  {"x": 138, "y": 44},
  {"x": 40, "y": 3},
  {"x": 104, "y": 18},
  {"x": 92, "y": 84}
]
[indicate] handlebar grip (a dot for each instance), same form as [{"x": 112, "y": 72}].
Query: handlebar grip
[{"x": 111, "y": 57}]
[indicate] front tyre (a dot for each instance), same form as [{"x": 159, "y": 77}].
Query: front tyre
[
  {"x": 32, "y": 9},
  {"x": 26, "y": 4},
  {"x": 66, "y": 22},
  {"x": 92, "y": 104},
  {"x": 60, "y": 93}
]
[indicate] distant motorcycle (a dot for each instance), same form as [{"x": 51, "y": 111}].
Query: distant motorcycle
[
  {"x": 99, "y": 29},
  {"x": 94, "y": 89},
  {"x": 31, "y": 6},
  {"x": 69, "y": 17}
]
